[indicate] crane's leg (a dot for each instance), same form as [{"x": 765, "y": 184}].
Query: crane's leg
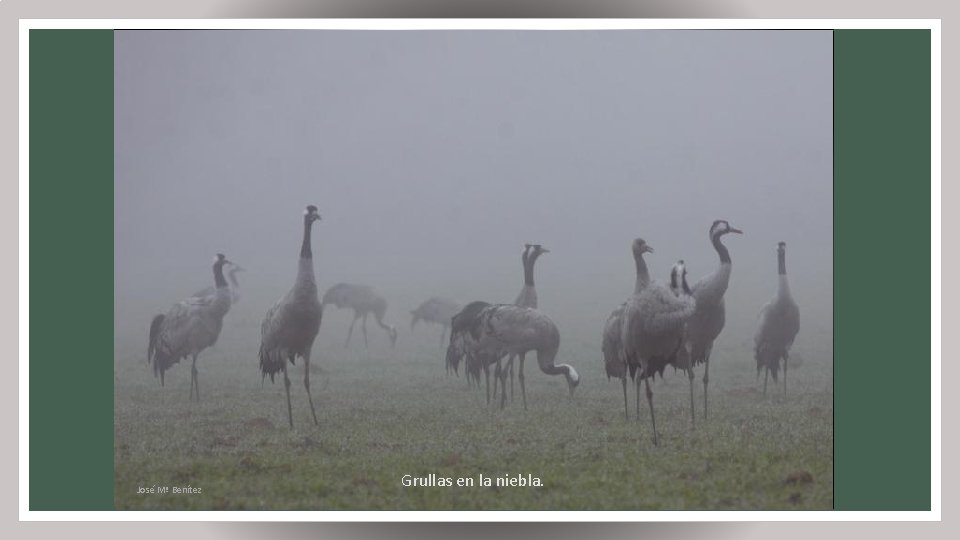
[
  {"x": 286, "y": 384},
  {"x": 693, "y": 420},
  {"x": 350, "y": 331},
  {"x": 306, "y": 384},
  {"x": 194, "y": 382},
  {"x": 766, "y": 375},
  {"x": 784, "y": 374},
  {"x": 486, "y": 373},
  {"x": 523, "y": 386},
  {"x": 626, "y": 409},
  {"x": 512, "y": 356},
  {"x": 503, "y": 383},
  {"x": 706, "y": 379},
  {"x": 653, "y": 419},
  {"x": 637, "y": 378},
  {"x": 365, "y": 342},
  {"x": 496, "y": 377}
]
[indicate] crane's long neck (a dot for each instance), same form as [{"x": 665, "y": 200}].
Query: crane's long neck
[
  {"x": 218, "y": 279},
  {"x": 305, "y": 251},
  {"x": 305, "y": 269},
  {"x": 528, "y": 263},
  {"x": 643, "y": 276},
  {"x": 783, "y": 286},
  {"x": 721, "y": 249}
]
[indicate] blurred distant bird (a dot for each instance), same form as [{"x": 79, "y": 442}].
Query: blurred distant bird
[
  {"x": 528, "y": 294},
  {"x": 508, "y": 329},
  {"x": 291, "y": 325},
  {"x": 779, "y": 324},
  {"x": 364, "y": 301},
  {"x": 708, "y": 320},
  {"x": 189, "y": 327},
  {"x": 435, "y": 310},
  {"x": 652, "y": 325},
  {"x": 234, "y": 285}
]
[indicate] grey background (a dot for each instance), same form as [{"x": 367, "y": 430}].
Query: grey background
[
  {"x": 434, "y": 156},
  {"x": 11, "y": 10}
]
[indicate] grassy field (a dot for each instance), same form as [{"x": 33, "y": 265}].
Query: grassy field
[{"x": 384, "y": 414}]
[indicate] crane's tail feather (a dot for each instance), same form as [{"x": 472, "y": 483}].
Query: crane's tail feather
[
  {"x": 768, "y": 357},
  {"x": 155, "y": 325},
  {"x": 271, "y": 362}
]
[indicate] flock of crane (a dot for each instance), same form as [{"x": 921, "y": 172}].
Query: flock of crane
[{"x": 657, "y": 326}]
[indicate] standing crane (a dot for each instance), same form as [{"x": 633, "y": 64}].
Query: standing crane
[
  {"x": 234, "y": 285},
  {"x": 189, "y": 327},
  {"x": 779, "y": 324},
  {"x": 611, "y": 343},
  {"x": 291, "y": 325},
  {"x": 708, "y": 320},
  {"x": 652, "y": 327},
  {"x": 364, "y": 301},
  {"x": 435, "y": 310},
  {"x": 527, "y": 298}
]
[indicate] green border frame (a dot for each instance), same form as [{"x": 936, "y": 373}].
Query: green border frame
[
  {"x": 881, "y": 204},
  {"x": 71, "y": 226},
  {"x": 881, "y": 176}
]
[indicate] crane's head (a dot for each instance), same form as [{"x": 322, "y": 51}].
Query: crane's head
[
  {"x": 781, "y": 247},
  {"x": 721, "y": 227},
  {"x": 311, "y": 214},
  {"x": 640, "y": 247}
]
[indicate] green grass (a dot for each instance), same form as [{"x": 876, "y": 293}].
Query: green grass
[{"x": 383, "y": 415}]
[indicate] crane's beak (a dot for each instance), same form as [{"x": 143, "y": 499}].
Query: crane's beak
[
  {"x": 544, "y": 251},
  {"x": 648, "y": 249},
  {"x": 736, "y": 231}
]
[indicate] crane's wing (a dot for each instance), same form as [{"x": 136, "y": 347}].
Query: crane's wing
[
  {"x": 663, "y": 311},
  {"x": 178, "y": 323}
]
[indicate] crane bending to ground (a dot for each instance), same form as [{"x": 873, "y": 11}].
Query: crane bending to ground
[
  {"x": 497, "y": 330},
  {"x": 435, "y": 310},
  {"x": 291, "y": 325},
  {"x": 364, "y": 301},
  {"x": 189, "y": 327}
]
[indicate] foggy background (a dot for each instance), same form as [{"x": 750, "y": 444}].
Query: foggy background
[{"x": 433, "y": 156}]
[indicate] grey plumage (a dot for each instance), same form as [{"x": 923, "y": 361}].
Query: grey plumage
[
  {"x": 710, "y": 316},
  {"x": 462, "y": 346},
  {"x": 291, "y": 325},
  {"x": 504, "y": 329},
  {"x": 233, "y": 283},
  {"x": 188, "y": 328},
  {"x": 652, "y": 327},
  {"x": 779, "y": 325},
  {"x": 435, "y": 310},
  {"x": 364, "y": 300}
]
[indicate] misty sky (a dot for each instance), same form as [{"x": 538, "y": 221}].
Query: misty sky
[{"x": 435, "y": 155}]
